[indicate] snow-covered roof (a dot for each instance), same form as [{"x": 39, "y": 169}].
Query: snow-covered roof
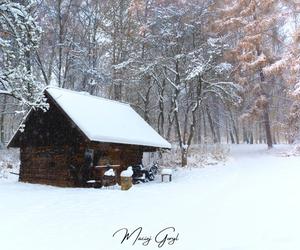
[{"x": 104, "y": 120}]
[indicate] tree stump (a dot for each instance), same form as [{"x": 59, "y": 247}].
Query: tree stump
[{"x": 126, "y": 183}]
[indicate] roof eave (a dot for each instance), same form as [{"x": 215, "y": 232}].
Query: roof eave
[{"x": 132, "y": 144}]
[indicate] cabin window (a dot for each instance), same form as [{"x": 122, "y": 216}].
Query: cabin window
[{"x": 89, "y": 157}]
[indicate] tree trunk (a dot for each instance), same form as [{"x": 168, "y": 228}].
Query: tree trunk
[
  {"x": 147, "y": 99},
  {"x": 251, "y": 137},
  {"x": 235, "y": 128},
  {"x": 2, "y": 141},
  {"x": 184, "y": 153},
  {"x": 266, "y": 118},
  {"x": 60, "y": 40},
  {"x": 204, "y": 126},
  {"x": 211, "y": 124},
  {"x": 231, "y": 137},
  {"x": 161, "y": 117},
  {"x": 245, "y": 136},
  {"x": 268, "y": 128}
]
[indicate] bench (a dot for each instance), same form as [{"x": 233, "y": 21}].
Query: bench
[{"x": 166, "y": 172}]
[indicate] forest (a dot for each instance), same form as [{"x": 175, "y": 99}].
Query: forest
[{"x": 198, "y": 71}]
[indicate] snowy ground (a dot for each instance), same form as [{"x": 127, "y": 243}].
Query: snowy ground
[{"x": 252, "y": 202}]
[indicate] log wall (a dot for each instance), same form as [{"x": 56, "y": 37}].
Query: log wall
[
  {"x": 46, "y": 166},
  {"x": 51, "y": 165}
]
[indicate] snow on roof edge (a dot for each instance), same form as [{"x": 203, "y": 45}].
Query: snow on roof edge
[
  {"x": 24, "y": 119},
  {"x": 132, "y": 143},
  {"x": 84, "y": 94}
]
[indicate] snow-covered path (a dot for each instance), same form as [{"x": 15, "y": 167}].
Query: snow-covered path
[{"x": 252, "y": 202}]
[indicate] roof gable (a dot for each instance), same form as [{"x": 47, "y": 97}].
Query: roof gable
[{"x": 51, "y": 128}]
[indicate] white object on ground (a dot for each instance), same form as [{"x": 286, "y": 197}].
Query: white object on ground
[
  {"x": 109, "y": 172},
  {"x": 166, "y": 171},
  {"x": 91, "y": 181},
  {"x": 127, "y": 173}
]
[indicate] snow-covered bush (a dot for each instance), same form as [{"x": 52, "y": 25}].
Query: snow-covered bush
[
  {"x": 220, "y": 152},
  {"x": 9, "y": 162},
  {"x": 4, "y": 171},
  {"x": 293, "y": 151},
  {"x": 198, "y": 156}
]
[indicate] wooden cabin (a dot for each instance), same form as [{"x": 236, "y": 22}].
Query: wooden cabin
[{"x": 78, "y": 137}]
